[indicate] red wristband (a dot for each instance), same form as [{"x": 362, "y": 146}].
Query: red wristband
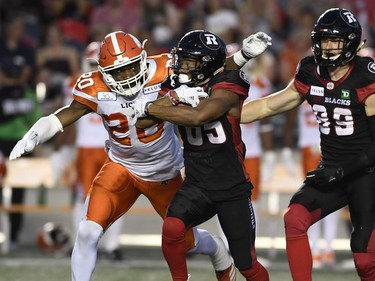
[{"x": 173, "y": 100}]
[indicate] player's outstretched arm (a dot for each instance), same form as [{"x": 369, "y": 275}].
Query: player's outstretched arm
[
  {"x": 270, "y": 105},
  {"x": 46, "y": 127}
]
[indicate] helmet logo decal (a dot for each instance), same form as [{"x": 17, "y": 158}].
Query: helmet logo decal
[
  {"x": 371, "y": 67},
  {"x": 211, "y": 41},
  {"x": 349, "y": 16}
]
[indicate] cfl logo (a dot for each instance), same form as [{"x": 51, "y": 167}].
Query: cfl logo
[
  {"x": 350, "y": 17},
  {"x": 211, "y": 39}
]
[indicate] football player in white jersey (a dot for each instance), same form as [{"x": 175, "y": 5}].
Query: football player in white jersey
[
  {"x": 141, "y": 161},
  {"x": 91, "y": 155}
]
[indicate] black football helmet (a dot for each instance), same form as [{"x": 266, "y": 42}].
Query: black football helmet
[
  {"x": 336, "y": 23},
  {"x": 207, "y": 49}
]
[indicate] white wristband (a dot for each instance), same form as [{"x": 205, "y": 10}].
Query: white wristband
[
  {"x": 240, "y": 59},
  {"x": 47, "y": 127}
]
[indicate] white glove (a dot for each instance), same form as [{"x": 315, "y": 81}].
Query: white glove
[
  {"x": 25, "y": 145},
  {"x": 252, "y": 46},
  {"x": 140, "y": 108},
  {"x": 288, "y": 161},
  {"x": 256, "y": 44},
  {"x": 45, "y": 128},
  {"x": 190, "y": 96}
]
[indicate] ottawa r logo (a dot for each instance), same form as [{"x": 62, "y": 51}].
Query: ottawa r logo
[{"x": 371, "y": 67}]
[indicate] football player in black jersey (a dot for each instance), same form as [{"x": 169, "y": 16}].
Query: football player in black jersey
[
  {"x": 340, "y": 86},
  {"x": 216, "y": 181}
]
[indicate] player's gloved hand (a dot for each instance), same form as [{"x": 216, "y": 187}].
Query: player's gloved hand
[
  {"x": 26, "y": 145},
  {"x": 324, "y": 175},
  {"x": 256, "y": 44},
  {"x": 191, "y": 95},
  {"x": 252, "y": 46},
  {"x": 140, "y": 110}
]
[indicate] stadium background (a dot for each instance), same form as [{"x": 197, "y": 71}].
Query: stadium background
[{"x": 162, "y": 23}]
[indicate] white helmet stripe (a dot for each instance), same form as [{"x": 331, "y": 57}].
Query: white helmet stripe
[{"x": 116, "y": 45}]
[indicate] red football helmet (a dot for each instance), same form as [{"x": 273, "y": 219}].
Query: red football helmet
[
  {"x": 91, "y": 54},
  {"x": 120, "y": 54},
  {"x": 53, "y": 237}
]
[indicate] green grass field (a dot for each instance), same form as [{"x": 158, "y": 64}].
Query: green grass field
[
  {"x": 116, "y": 273},
  {"x": 36, "y": 267}
]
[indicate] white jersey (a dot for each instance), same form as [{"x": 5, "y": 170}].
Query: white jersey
[
  {"x": 308, "y": 128},
  {"x": 90, "y": 130},
  {"x": 153, "y": 154},
  {"x": 259, "y": 87}
]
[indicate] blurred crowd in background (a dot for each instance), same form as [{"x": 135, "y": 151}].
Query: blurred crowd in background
[{"x": 57, "y": 31}]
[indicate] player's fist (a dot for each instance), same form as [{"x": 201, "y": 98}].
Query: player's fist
[{"x": 25, "y": 145}]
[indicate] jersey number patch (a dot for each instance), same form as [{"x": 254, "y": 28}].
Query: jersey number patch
[
  {"x": 343, "y": 118},
  {"x": 214, "y": 132}
]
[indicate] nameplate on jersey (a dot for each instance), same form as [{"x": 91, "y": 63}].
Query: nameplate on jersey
[
  {"x": 152, "y": 89},
  {"x": 317, "y": 91},
  {"x": 106, "y": 96}
]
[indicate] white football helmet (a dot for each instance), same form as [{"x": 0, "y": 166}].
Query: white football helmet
[
  {"x": 122, "y": 62},
  {"x": 91, "y": 54}
]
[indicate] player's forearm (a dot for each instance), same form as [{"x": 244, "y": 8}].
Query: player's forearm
[
  {"x": 253, "y": 111},
  {"x": 184, "y": 115}
]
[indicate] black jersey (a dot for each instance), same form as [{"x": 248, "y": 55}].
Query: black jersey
[
  {"x": 339, "y": 106},
  {"x": 214, "y": 152}
]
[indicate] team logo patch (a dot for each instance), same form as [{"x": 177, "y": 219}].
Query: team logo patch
[
  {"x": 345, "y": 94},
  {"x": 106, "y": 96},
  {"x": 317, "y": 91},
  {"x": 330, "y": 86},
  {"x": 371, "y": 67}
]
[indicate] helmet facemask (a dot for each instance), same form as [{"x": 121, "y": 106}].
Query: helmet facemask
[
  {"x": 332, "y": 57},
  {"x": 194, "y": 74},
  {"x": 122, "y": 64},
  {"x": 129, "y": 86}
]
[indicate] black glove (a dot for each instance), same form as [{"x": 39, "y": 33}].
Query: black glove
[{"x": 325, "y": 175}]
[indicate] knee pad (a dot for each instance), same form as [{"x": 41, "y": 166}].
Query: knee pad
[
  {"x": 297, "y": 220},
  {"x": 173, "y": 228},
  {"x": 89, "y": 232}
]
